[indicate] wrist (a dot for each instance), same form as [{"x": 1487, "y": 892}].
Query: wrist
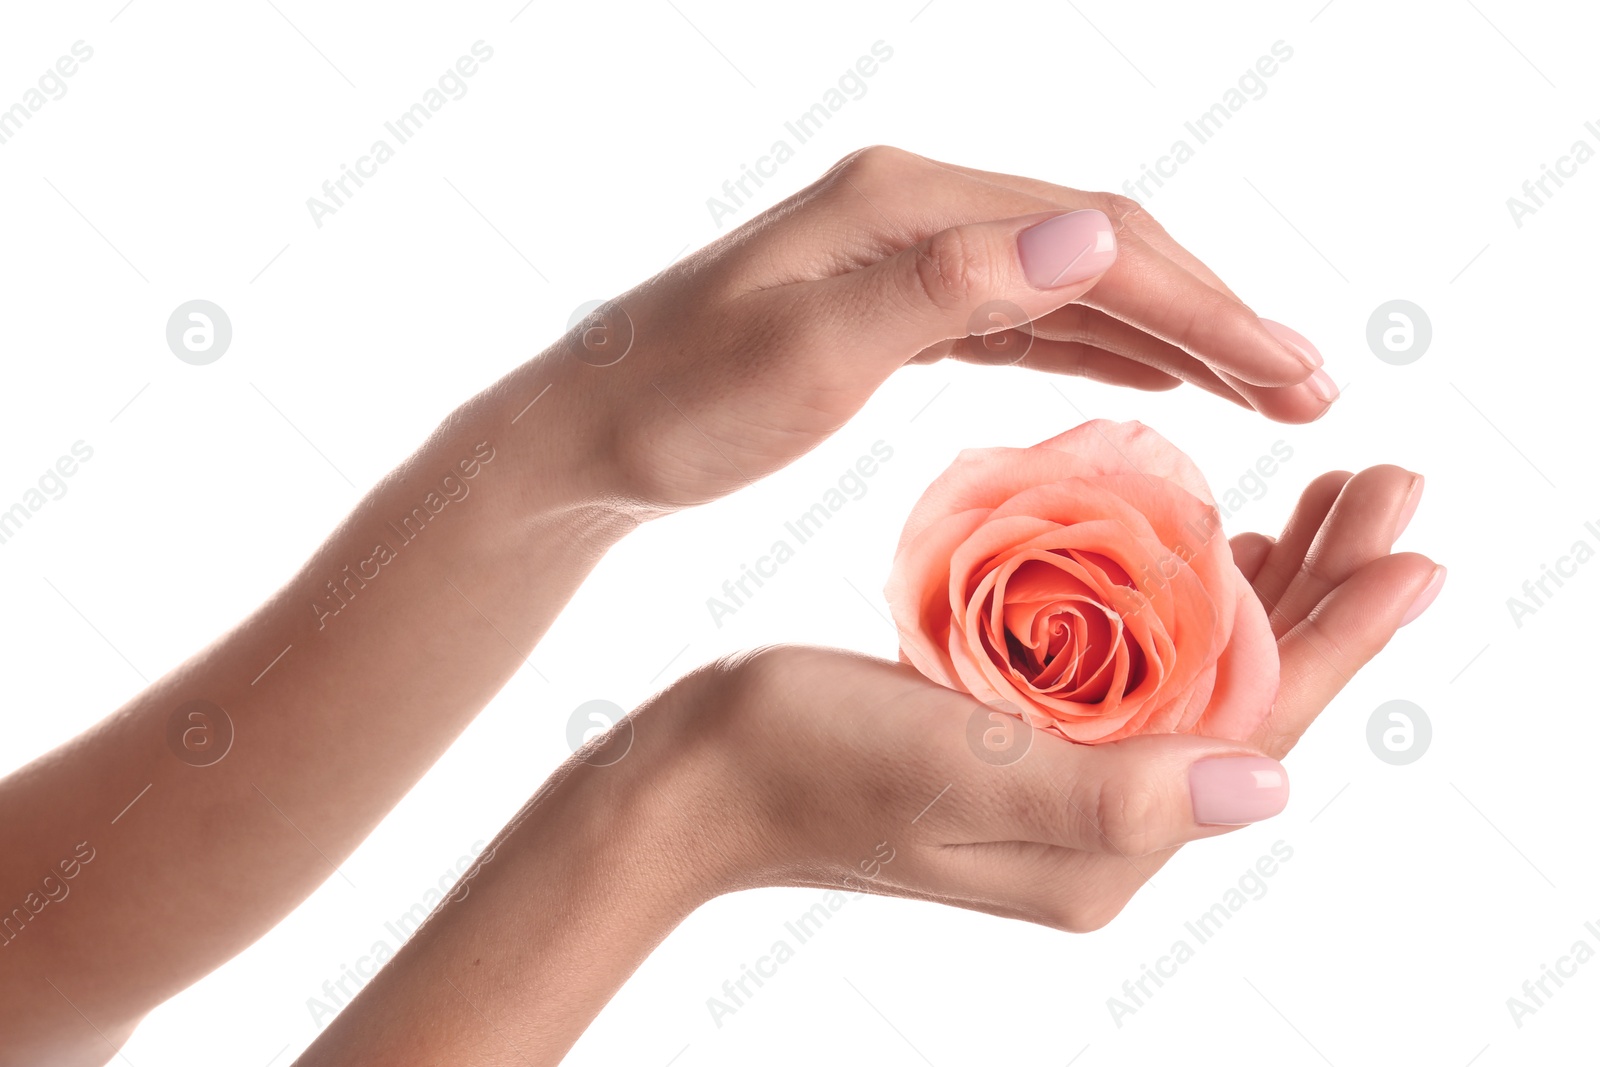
[
  {"x": 543, "y": 426},
  {"x": 670, "y": 797},
  {"x": 613, "y": 436},
  {"x": 734, "y": 804}
]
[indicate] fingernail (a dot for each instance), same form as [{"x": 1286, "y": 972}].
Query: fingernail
[
  {"x": 1068, "y": 248},
  {"x": 1237, "y": 790},
  {"x": 1298, "y": 346},
  {"x": 1409, "y": 508},
  {"x": 1322, "y": 386},
  {"x": 1429, "y": 594}
]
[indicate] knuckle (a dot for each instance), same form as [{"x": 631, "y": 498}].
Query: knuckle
[
  {"x": 953, "y": 268},
  {"x": 1316, "y": 570},
  {"x": 1121, "y": 210},
  {"x": 748, "y": 678},
  {"x": 1076, "y": 324},
  {"x": 876, "y": 161},
  {"x": 1210, "y": 319},
  {"x": 758, "y": 669},
  {"x": 1128, "y": 816}
]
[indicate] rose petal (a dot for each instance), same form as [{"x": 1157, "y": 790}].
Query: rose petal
[
  {"x": 919, "y": 598},
  {"x": 1130, "y": 448}
]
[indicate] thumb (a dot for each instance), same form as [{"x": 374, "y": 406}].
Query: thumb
[
  {"x": 970, "y": 279},
  {"x": 1135, "y": 796}
]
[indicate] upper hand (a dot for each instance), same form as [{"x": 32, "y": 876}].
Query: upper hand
[{"x": 748, "y": 353}]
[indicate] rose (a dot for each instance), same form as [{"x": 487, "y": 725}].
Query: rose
[{"x": 1085, "y": 585}]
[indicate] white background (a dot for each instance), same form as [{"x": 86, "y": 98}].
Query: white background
[{"x": 1376, "y": 166}]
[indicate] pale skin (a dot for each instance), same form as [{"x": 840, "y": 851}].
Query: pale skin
[{"x": 742, "y": 358}]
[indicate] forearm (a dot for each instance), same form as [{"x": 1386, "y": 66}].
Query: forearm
[
  {"x": 341, "y": 691},
  {"x": 566, "y": 903}
]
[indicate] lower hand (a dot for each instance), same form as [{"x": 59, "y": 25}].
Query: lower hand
[
  {"x": 806, "y": 766},
  {"x": 835, "y": 760}
]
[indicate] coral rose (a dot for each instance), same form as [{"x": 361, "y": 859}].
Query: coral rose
[{"x": 1086, "y": 583}]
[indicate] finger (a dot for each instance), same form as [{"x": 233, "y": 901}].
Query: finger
[
  {"x": 1156, "y": 236},
  {"x": 1349, "y": 626},
  {"x": 1301, "y": 403},
  {"x": 1283, "y": 562},
  {"x": 1361, "y": 526},
  {"x": 1125, "y": 798},
  {"x": 1295, "y": 403},
  {"x": 1086, "y": 325},
  {"x": 1306, "y": 402},
  {"x": 1250, "y": 552},
  {"x": 945, "y": 286},
  {"x": 1017, "y": 348},
  {"x": 1151, "y": 292}
]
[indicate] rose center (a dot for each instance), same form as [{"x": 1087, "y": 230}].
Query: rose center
[{"x": 1071, "y": 649}]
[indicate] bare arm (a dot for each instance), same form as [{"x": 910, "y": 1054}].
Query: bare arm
[{"x": 339, "y": 697}]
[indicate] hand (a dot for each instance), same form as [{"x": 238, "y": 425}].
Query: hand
[
  {"x": 747, "y": 354},
  {"x": 838, "y": 760},
  {"x": 805, "y": 766}
]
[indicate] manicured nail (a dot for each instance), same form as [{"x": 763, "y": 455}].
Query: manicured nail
[
  {"x": 1409, "y": 508},
  {"x": 1068, "y": 248},
  {"x": 1237, "y": 790},
  {"x": 1298, "y": 346},
  {"x": 1429, "y": 594},
  {"x": 1322, "y": 386}
]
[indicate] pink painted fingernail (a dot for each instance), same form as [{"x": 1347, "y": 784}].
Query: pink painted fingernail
[
  {"x": 1322, "y": 386},
  {"x": 1409, "y": 508},
  {"x": 1237, "y": 790},
  {"x": 1303, "y": 350},
  {"x": 1429, "y": 594},
  {"x": 1068, "y": 248}
]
